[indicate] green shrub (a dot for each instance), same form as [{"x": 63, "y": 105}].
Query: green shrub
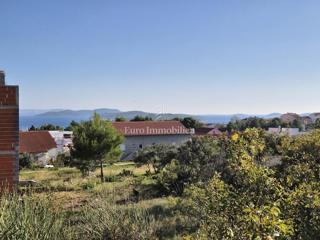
[
  {"x": 111, "y": 179},
  {"x": 25, "y": 161},
  {"x": 62, "y": 160},
  {"x": 126, "y": 173},
  {"x": 88, "y": 185},
  {"x": 196, "y": 161},
  {"x": 156, "y": 156}
]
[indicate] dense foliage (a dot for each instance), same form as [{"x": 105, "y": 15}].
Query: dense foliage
[
  {"x": 46, "y": 127},
  {"x": 255, "y": 122},
  {"x": 249, "y": 185},
  {"x": 195, "y": 161},
  {"x": 139, "y": 118},
  {"x": 247, "y": 200},
  {"x": 233, "y": 188},
  {"x": 190, "y": 122},
  {"x": 156, "y": 156},
  {"x": 120, "y": 119}
]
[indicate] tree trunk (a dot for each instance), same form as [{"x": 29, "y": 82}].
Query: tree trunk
[{"x": 101, "y": 169}]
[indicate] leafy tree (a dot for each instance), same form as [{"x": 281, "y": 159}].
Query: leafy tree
[
  {"x": 246, "y": 152},
  {"x": 95, "y": 142},
  {"x": 156, "y": 156},
  {"x": 189, "y": 122},
  {"x": 275, "y": 122},
  {"x": 50, "y": 127},
  {"x": 299, "y": 174},
  {"x": 224, "y": 212},
  {"x": 71, "y": 126},
  {"x": 246, "y": 200},
  {"x": 196, "y": 161},
  {"x": 297, "y": 124},
  {"x": 303, "y": 207},
  {"x": 300, "y": 159},
  {"x": 120, "y": 119},
  {"x": 32, "y": 128},
  {"x": 25, "y": 161},
  {"x": 317, "y": 124},
  {"x": 255, "y": 122},
  {"x": 46, "y": 127},
  {"x": 139, "y": 118}
]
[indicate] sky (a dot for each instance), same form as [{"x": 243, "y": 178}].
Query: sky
[{"x": 181, "y": 56}]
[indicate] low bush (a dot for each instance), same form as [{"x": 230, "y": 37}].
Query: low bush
[
  {"x": 126, "y": 173},
  {"x": 112, "y": 178},
  {"x": 156, "y": 156},
  {"x": 196, "y": 161},
  {"x": 89, "y": 185},
  {"x": 25, "y": 161}
]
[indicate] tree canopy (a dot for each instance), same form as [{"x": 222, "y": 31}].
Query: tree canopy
[
  {"x": 95, "y": 142},
  {"x": 140, "y": 118},
  {"x": 229, "y": 190},
  {"x": 190, "y": 122}
]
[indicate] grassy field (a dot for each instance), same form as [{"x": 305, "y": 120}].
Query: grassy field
[
  {"x": 71, "y": 190},
  {"x": 127, "y": 187}
]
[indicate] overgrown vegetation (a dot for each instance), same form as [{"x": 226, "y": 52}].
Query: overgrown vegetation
[
  {"x": 208, "y": 188},
  {"x": 28, "y": 217},
  {"x": 228, "y": 190},
  {"x": 255, "y": 122}
]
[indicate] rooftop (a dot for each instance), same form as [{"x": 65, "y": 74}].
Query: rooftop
[
  {"x": 36, "y": 142},
  {"x": 207, "y": 131}
]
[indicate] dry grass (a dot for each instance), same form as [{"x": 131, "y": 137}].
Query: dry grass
[
  {"x": 73, "y": 194},
  {"x": 72, "y": 191}
]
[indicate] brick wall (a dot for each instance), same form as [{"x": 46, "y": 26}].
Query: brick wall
[{"x": 9, "y": 136}]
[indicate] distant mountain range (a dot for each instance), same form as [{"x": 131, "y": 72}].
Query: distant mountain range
[
  {"x": 63, "y": 117},
  {"x": 111, "y": 114}
]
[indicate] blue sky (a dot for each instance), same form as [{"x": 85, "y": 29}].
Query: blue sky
[{"x": 247, "y": 56}]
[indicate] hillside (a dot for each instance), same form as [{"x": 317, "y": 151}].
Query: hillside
[
  {"x": 64, "y": 117},
  {"x": 111, "y": 114}
]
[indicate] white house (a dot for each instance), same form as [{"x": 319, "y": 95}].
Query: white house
[
  {"x": 145, "y": 133},
  {"x": 63, "y": 140},
  {"x": 39, "y": 145},
  {"x": 285, "y": 131}
]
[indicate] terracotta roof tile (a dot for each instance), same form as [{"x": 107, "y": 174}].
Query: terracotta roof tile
[
  {"x": 207, "y": 131},
  {"x": 36, "y": 142}
]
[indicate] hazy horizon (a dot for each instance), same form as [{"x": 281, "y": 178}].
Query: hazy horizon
[
  {"x": 125, "y": 110},
  {"x": 204, "y": 57}
]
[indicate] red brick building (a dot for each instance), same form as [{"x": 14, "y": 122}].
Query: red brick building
[{"x": 9, "y": 134}]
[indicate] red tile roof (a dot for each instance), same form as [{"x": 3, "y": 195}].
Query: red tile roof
[
  {"x": 207, "y": 131},
  {"x": 36, "y": 142},
  {"x": 151, "y": 128}
]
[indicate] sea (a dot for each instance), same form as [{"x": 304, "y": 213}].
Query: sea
[{"x": 27, "y": 121}]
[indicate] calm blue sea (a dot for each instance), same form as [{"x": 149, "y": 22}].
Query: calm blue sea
[{"x": 27, "y": 121}]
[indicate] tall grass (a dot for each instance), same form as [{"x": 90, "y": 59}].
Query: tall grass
[
  {"x": 31, "y": 218},
  {"x": 89, "y": 209},
  {"x": 108, "y": 221}
]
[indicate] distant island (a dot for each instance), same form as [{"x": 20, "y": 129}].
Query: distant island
[{"x": 63, "y": 117}]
